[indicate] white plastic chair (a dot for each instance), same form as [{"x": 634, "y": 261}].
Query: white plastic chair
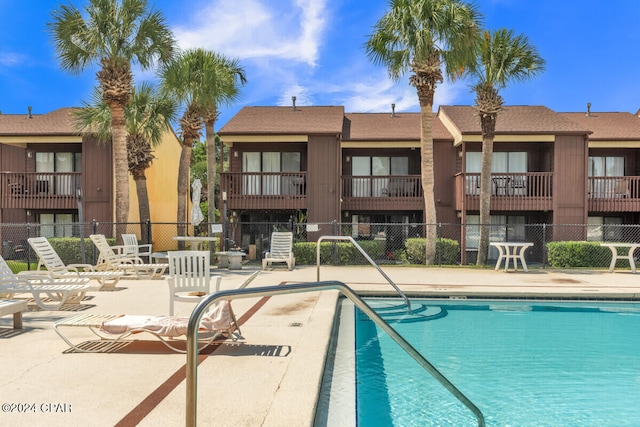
[
  {"x": 131, "y": 247},
  {"x": 189, "y": 277}
]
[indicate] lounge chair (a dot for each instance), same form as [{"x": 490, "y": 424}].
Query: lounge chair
[
  {"x": 108, "y": 260},
  {"x": 49, "y": 259},
  {"x": 281, "y": 250},
  {"x": 15, "y": 307},
  {"x": 189, "y": 277},
  {"x": 62, "y": 291},
  {"x": 218, "y": 321}
]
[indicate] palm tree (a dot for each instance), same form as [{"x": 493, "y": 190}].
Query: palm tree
[
  {"x": 115, "y": 34},
  {"x": 229, "y": 76},
  {"x": 502, "y": 57},
  {"x": 147, "y": 117},
  {"x": 200, "y": 80},
  {"x": 426, "y": 37}
]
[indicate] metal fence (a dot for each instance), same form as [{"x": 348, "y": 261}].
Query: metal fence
[{"x": 386, "y": 243}]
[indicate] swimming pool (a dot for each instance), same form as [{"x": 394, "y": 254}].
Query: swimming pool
[{"x": 523, "y": 363}]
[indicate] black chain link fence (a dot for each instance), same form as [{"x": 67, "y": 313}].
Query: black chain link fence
[{"x": 386, "y": 243}]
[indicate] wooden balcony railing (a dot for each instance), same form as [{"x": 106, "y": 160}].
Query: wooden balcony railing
[
  {"x": 265, "y": 190},
  {"x": 530, "y": 191},
  {"x": 614, "y": 193},
  {"x": 39, "y": 190},
  {"x": 382, "y": 192}
]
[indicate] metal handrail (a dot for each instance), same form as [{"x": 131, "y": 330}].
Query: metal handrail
[
  {"x": 233, "y": 294},
  {"x": 371, "y": 261}
]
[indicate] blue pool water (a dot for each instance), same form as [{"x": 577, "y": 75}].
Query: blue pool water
[{"x": 521, "y": 363}]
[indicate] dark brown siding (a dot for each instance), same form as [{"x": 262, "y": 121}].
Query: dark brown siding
[
  {"x": 444, "y": 155},
  {"x": 97, "y": 181},
  {"x": 13, "y": 158},
  {"x": 569, "y": 181},
  {"x": 323, "y": 186}
]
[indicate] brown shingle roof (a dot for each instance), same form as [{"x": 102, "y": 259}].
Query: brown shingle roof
[
  {"x": 514, "y": 120},
  {"x": 285, "y": 120},
  {"x": 608, "y": 126},
  {"x": 384, "y": 126},
  {"x": 58, "y": 122}
]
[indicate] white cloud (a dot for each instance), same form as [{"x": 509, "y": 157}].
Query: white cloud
[
  {"x": 290, "y": 30},
  {"x": 9, "y": 59},
  {"x": 302, "y": 94}
]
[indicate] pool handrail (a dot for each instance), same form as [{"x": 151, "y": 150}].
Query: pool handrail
[
  {"x": 233, "y": 294},
  {"x": 371, "y": 261}
]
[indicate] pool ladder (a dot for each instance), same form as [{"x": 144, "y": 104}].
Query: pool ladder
[
  {"x": 366, "y": 255},
  {"x": 233, "y": 294}
]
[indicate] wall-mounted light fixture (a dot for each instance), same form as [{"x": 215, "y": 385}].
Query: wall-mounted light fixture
[
  {"x": 348, "y": 159},
  {"x": 460, "y": 154},
  {"x": 28, "y": 213},
  {"x": 235, "y": 154}
]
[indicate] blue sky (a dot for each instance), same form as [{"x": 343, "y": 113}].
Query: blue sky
[{"x": 313, "y": 49}]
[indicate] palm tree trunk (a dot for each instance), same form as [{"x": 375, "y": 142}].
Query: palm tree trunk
[
  {"x": 488, "y": 122},
  {"x": 183, "y": 185},
  {"x": 212, "y": 175},
  {"x": 426, "y": 152},
  {"x": 140, "y": 180},
  {"x": 121, "y": 170}
]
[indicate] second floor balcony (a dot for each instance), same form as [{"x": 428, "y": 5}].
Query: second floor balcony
[
  {"x": 39, "y": 190},
  {"x": 614, "y": 193},
  {"x": 531, "y": 191},
  {"x": 265, "y": 190},
  {"x": 382, "y": 192}
]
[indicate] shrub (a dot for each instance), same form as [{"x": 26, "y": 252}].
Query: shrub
[
  {"x": 447, "y": 251},
  {"x": 70, "y": 250},
  {"x": 577, "y": 254}
]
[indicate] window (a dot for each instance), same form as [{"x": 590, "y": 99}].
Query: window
[
  {"x": 56, "y": 225},
  {"x": 503, "y": 229},
  {"x": 511, "y": 162},
  {"x": 270, "y": 161},
  {"x": 381, "y": 166},
  {"x": 605, "y": 167},
  {"x": 57, "y": 163},
  {"x": 604, "y": 229}
]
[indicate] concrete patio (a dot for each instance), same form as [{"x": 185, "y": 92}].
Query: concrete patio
[{"x": 271, "y": 378}]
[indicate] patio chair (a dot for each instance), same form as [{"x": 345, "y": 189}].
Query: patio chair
[
  {"x": 55, "y": 268},
  {"x": 281, "y": 250},
  {"x": 131, "y": 247},
  {"x": 108, "y": 260},
  {"x": 113, "y": 330},
  {"x": 189, "y": 277},
  {"x": 61, "y": 291}
]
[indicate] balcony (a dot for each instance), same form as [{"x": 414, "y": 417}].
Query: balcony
[
  {"x": 382, "y": 192},
  {"x": 530, "y": 191},
  {"x": 39, "y": 190},
  {"x": 265, "y": 190},
  {"x": 614, "y": 194}
]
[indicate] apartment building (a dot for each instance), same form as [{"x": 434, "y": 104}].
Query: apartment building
[
  {"x": 47, "y": 168},
  {"x": 359, "y": 168}
]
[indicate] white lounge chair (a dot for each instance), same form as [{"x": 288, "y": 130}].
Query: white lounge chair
[
  {"x": 189, "y": 277},
  {"x": 108, "y": 260},
  {"x": 115, "y": 329},
  {"x": 49, "y": 259},
  {"x": 60, "y": 290},
  {"x": 281, "y": 250},
  {"x": 15, "y": 307}
]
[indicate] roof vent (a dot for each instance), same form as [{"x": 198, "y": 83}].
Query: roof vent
[
  {"x": 588, "y": 109},
  {"x": 293, "y": 99},
  {"x": 30, "y": 115},
  {"x": 393, "y": 110}
]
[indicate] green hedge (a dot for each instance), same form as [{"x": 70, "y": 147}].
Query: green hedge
[
  {"x": 447, "y": 252},
  {"x": 69, "y": 248},
  {"x": 578, "y": 254}
]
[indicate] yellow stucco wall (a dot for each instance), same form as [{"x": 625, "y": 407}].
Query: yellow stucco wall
[{"x": 162, "y": 186}]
